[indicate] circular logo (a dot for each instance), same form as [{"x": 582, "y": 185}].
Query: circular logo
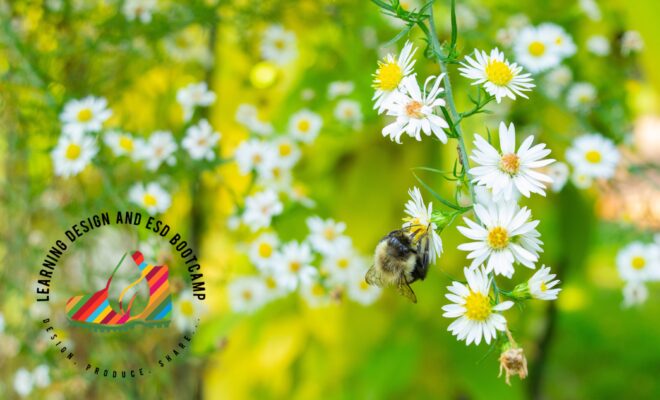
[{"x": 122, "y": 293}]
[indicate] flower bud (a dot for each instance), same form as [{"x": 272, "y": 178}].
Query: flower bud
[
  {"x": 513, "y": 362},
  {"x": 443, "y": 218},
  {"x": 521, "y": 292}
]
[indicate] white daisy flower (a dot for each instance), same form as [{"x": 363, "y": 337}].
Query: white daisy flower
[
  {"x": 499, "y": 77},
  {"x": 263, "y": 249},
  {"x": 275, "y": 284},
  {"x": 186, "y": 309},
  {"x": 556, "y": 81},
  {"x": 2, "y": 323},
  {"x": 581, "y": 96},
  {"x": 253, "y": 153},
  {"x": 535, "y": 50},
  {"x": 248, "y": 116},
  {"x": 305, "y": 125},
  {"x": 510, "y": 170},
  {"x": 194, "y": 95},
  {"x": 581, "y": 180},
  {"x": 477, "y": 316},
  {"x": 342, "y": 263},
  {"x": 41, "y": 376},
  {"x": 598, "y": 45},
  {"x": 152, "y": 197},
  {"x": 562, "y": 42},
  {"x": 247, "y": 294},
  {"x": 324, "y": 234},
  {"x": 278, "y": 45},
  {"x": 639, "y": 262},
  {"x": 542, "y": 285},
  {"x": 123, "y": 144},
  {"x": 139, "y": 10},
  {"x": 158, "y": 149},
  {"x": 340, "y": 88},
  {"x": 559, "y": 173},
  {"x": 200, "y": 140},
  {"x": 415, "y": 111},
  {"x": 418, "y": 222},
  {"x": 86, "y": 115},
  {"x": 23, "y": 382},
  {"x": 389, "y": 75},
  {"x": 349, "y": 112},
  {"x": 591, "y": 9},
  {"x": 74, "y": 151},
  {"x": 274, "y": 174},
  {"x": 287, "y": 151},
  {"x": 314, "y": 293},
  {"x": 506, "y": 235},
  {"x": 293, "y": 264},
  {"x": 635, "y": 293},
  {"x": 260, "y": 208},
  {"x": 360, "y": 291},
  {"x": 189, "y": 45},
  {"x": 594, "y": 155},
  {"x": 631, "y": 42}
]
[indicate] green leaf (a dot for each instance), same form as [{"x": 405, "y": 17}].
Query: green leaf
[{"x": 454, "y": 27}]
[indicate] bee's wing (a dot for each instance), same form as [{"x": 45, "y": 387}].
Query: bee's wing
[
  {"x": 406, "y": 290},
  {"x": 373, "y": 277}
]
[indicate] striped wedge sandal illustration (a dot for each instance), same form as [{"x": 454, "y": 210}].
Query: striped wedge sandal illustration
[{"x": 94, "y": 311}]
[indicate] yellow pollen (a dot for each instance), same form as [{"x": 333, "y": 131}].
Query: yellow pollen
[
  {"x": 201, "y": 142},
  {"x": 536, "y": 49},
  {"x": 285, "y": 149},
  {"x": 329, "y": 233},
  {"x": 388, "y": 76},
  {"x": 247, "y": 295},
  {"x": 277, "y": 172},
  {"x": 498, "y": 238},
  {"x": 638, "y": 262},
  {"x": 294, "y": 266},
  {"x": 279, "y": 44},
  {"x": 126, "y": 143},
  {"x": 186, "y": 308},
  {"x": 149, "y": 200},
  {"x": 414, "y": 109},
  {"x": 318, "y": 290},
  {"x": 270, "y": 283},
  {"x": 304, "y": 125},
  {"x": 342, "y": 263},
  {"x": 593, "y": 156},
  {"x": 85, "y": 115},
  {"x": 498, "y": 72},
  {"x": 265, "y": 250},
  {"x": 72, "y": 151},
  {"x": 416, "y": 227},
  {"x": 477, "y": 306},
  {"x": 510, "y": 163},
  {"x": 543, "y": 287},
  {"x": 559, "y": 40},
  {"x": 364, "y": 285}
]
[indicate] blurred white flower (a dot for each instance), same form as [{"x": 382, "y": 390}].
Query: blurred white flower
[
  {"x": 324, "y": 234},
  {"x": 360, "y": 291},
  {"x": 85, "y": 115},
  {"x": 275, "y": 285},
  {"x": 593, "y": 155},
  {"x": 260, "y": 208},
  {"x": 200, "y": 141},
  {"x": 631, "y": 42},
  {"x": 139, "y": 10},
  {"x": 274, "y": 174},
  {"x": 581, "y": 96},
  {"x": 287, "y": 151},
  {"x": 498, "y": 77},
  {"x": 123, "y": 144},
  {"x": 476, "y": 315},
  {"x": 342, "y": 263},
  {"x": 2, "y": 323},
  {"x": 510, "y": 170},
  {"x": 278, "y": 45},
  {"x": 542, "y": 285},
  {"x": 189, "y": 44},
  {"x": 152, "y": 197},
  {"x": 505, "y": 236},
  {"x": 293, "y": 264},
  {"x": 248, "y": 116},
  {"x": 263, "y": 249},
  {"x": 557, "y": 80},
  {"x": 559, "y": 173},
  {"x": 389, "y": 75},
  {"x": 639, "y": 262},
  {"x": 415, "y": 110},
  {"x": 598, "y": 45},
  {"x": 41, "y": 376},
  {"x": 535, "y": 49},
  {"x": 194, "y": 95},
  {"x": 349, "y": 112},
  {"x": 634, "y": 293},
  {"x": 246, "y": 294},
  {"x": 591, "y": 9},
  {"x": 186, "y": 309},
  {"x": 419, "y": 224},
  {"x": 23, "y": 383},
  {"x": 305, "y": 125},
  {"x": 74, "y": 151},
  {"x": 314, "y": 293},
  {"x": 158, "y": 149},
  {"x": 561, "y": 42},
  {"x": 253, "y": 153},
  {"x": 581, "y": 180},
  {"x": 340, "y": 88}
]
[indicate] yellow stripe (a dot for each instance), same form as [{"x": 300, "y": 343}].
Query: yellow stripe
[{"x": 103, "y": 314}]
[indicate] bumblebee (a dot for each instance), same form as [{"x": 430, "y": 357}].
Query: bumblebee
[{"x": 401, "y": 258}]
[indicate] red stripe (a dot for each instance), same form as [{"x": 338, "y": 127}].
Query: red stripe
[
  {"x": 90, "y": 305},
  {"x": 108, "y": 317},
  {"x": 158, "y": 280},
  {"x": 138, "y": 257}
]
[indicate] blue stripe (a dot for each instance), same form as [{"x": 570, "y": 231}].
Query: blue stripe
[
  {"x": 98, "y": 310},
  {"x": 163, "y": 313}
]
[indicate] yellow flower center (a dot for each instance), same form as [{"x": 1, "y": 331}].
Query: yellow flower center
[
  {"x": 536, "y": 49},
  {"x": 329, "y": 233},
  {"x": 318, "y": 290},
  {"x": 149, "y": 200},
  {"x": 201, "y": 142},
  {"x": 510, "y": 163},
  {"x": 285, "y": 149},
  {"x": 247, "y": 295},
  {"x": 85, "y": 115},
  {"x": 304, "y": 125},
  {"x": 186, "y": 308},
  {"x": 270, "y": 282},
  {"x": 559, "y": 41},
  {"x": 388, "y": 76},
  {"x": 477, "y": 306},
  {"x": 126, "y": 143},
  {"x": 342, "y": 263},
  {"x": 638, "y": 262},
  {"x": 593, "y": 156},
  {"x": 414, "y": 109},
  {"x": 543, "y": 287},
  {"x": 294, "y": 266},
  {"x": 364, "y": 285},
  {"x": 72, "y": 151},
  {"x": 265, "y": 250},
  {"x": 416, "y": 227},
  {"x": 256, "y": 159},
  {"x": 498, "y": 238},
  {"x": 279, "y": 44},
  {"x": 498, "y": 72}
]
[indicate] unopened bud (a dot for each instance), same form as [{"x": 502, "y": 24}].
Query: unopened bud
[
  {"x": 521, "y": 292},
  {"x": 443, "y": 218}
]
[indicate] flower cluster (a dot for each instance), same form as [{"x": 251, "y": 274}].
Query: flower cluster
[{"x": 638, "y": 263}]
